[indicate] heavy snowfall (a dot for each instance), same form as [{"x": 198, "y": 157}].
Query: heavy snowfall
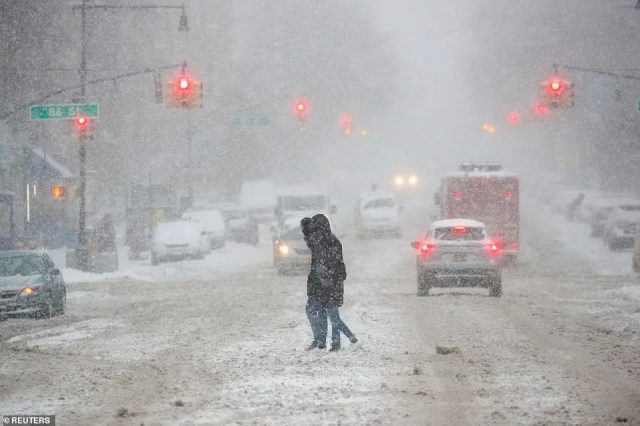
[{"x": 477, "y": 162}]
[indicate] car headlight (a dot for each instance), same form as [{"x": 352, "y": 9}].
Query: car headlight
[
  {"x": 283, "y": 249},
  {"x": 413, "y": 180},
  {"x": 29, "y": 291}
]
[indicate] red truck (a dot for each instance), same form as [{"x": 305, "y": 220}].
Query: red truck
[{"x": 482, "y": 191}]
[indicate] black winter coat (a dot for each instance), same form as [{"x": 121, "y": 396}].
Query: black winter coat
[{"x": 328, "y": 271}]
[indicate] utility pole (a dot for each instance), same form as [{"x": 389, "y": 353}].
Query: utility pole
[{"x": 82, "y": 251}]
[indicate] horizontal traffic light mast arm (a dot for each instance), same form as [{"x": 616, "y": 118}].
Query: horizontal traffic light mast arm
[
  {"x": 44, "y": 97},
  {"x": 601, "y": 72}
]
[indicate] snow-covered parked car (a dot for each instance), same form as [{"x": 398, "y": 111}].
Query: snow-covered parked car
[
  {"x": 601, "y": 209},
  {"x": 213, "y": 222},
  {"x": 458, "y": 253},
  {"x": 179, "y": 239},
  {"x": 620, "y": 229},
  {"x": 377, "y": 213}
]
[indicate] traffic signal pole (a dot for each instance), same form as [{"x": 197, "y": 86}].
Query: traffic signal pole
[{"x": 82, "y": 250}]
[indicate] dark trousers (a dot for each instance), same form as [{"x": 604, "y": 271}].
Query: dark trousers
[
  {"x": 317, "y": 316},
  {"x": 337, "y": 326}
]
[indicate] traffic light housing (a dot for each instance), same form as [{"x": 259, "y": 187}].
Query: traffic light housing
[
  {"x": 556, "y": 92},
  {"x": 184, "y": 92},
  {"x": 513, "y": 118},
  {"x": 345, "y": 122},
  {"x": 540, "y": 110},
  {"x": 58, "y": 192}
]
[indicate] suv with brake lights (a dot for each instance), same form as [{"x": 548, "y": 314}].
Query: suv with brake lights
[{"x": 458, "y": 253}]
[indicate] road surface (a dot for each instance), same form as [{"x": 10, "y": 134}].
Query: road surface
[{"x": 562, "y": 346}]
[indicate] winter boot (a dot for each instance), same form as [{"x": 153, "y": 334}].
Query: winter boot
[
  {"x": 334, "y": 347},
  {"x": 353, "y": 339},
  {"x": 313, "y": 345}
]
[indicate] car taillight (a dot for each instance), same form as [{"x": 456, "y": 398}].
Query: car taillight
[
  {"x": 426, "y": 249},
  {"x": 494, "y": 248}
]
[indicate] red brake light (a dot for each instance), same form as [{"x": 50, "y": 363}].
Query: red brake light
[
  {"x": 494, "y": 248},
  {"x": 508, "y": 194},
  {"x": 426, "y": 249},
  {"x": 459, "y": 230},
  {"x": 457, "y": 195}
]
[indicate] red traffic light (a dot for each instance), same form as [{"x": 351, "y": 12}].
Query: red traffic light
[
  {"x": 513, "y": 118},
  {"x": 555, "y": 86},
  {"x": 301, "y": 108},
  {"x": 82, "y": 122},
  {"x": 540, "y": 110}
]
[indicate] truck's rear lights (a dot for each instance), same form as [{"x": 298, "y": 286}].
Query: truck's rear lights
[{"x": 457, "y": 195}]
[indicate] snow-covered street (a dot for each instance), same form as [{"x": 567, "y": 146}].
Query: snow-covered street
[{"x": 226, "y": 345}]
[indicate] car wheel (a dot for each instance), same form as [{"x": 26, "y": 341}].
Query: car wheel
[
  {"x": 281, "y": 269},
  {"x": 62, "y": 303},
  {"x": 495, "y": 286},
  {"x": 424, "y": 284},
  {"x": 154, "y": 259}
]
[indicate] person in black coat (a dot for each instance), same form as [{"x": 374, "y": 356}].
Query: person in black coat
[
  {"x": 329, "y": 271},
  {"x": 316, "y": 312}
]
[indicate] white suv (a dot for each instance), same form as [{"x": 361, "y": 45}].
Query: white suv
[
  {"x": 458, "y": 253},
  {"x": 377, "y": 213}
]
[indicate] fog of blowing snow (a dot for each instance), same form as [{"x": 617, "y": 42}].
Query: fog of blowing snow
[{"x": 319, "y": 212}]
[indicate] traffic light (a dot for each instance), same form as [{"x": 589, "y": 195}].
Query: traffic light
[
  {"x": 540, "y": 110},
  {"x": 83, "y": 124},
  {"x": 513, "y": 118},
  {"x": 345, "y": 122},
  {"x": 184, "y": 92},
  {"x": 59, "y": 192},
  {"x": 301, "y": 108},
  {"x": 556, "y": 93}
]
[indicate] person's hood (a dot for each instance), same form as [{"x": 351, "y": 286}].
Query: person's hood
[{"x": 18, "y": 282}]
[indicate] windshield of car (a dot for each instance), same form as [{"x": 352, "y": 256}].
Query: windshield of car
[
  {"x": 293, "y": 234},
  {"x": 21, "y": 265},
  {"x": 303, "y": 203},
  {"x": 459, "y": 233},
  {"x": 379, "y": 203}
]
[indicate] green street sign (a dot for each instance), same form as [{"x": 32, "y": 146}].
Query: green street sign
[
  {"x": 63, "y": 111},
  {"x": 638, "y": 105}
]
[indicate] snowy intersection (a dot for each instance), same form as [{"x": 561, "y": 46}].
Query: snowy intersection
[{"x": 221, "y": 341}]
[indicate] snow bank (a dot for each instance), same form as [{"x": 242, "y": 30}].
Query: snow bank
[
  {"x": 228, "y": 258},
  {"x": 576, "y": 238}
]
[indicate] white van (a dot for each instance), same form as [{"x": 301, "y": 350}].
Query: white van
[
  {"x": 301, "y": 201},
  {"x": 259, "y": 198},
  {"x": 377, "y": 213}
]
